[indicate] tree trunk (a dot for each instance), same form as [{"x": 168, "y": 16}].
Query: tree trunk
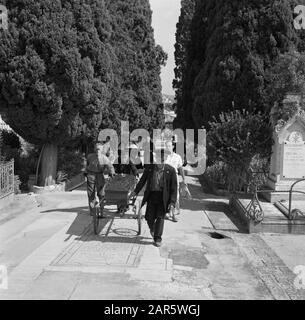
[{"x": 48, "y": 165}]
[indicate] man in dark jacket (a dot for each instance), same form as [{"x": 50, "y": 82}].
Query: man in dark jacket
[
  {"x": 160, "y": 194},
  {"x": 95, "y": 167}
]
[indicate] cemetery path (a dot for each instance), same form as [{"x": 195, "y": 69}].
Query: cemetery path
[{"x": 51, "y": 253}]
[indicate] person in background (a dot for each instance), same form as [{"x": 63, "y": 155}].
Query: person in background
[
  {"x": 176, "y": 162},
  {"x": 125, "y": 165},
  {"x": 95, "y": 168},
  {"x": 160, "y": 194}
]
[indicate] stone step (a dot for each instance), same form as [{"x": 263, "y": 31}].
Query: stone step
[{"x": 220, "y": 221}]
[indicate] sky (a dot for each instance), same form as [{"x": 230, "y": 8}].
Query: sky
[{"x": 165, "y": 17}]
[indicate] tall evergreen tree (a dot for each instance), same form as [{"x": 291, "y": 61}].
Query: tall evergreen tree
[
  {"x": 233, "y": 44},
  {"x": 55, "y": 72},
  {"x": 69, "y": 68},
  {"x": 182, "y": 47},
  {"x": 136, "y": 95}
]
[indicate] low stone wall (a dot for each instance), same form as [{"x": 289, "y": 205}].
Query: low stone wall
[{"x": 49, "y": 189}]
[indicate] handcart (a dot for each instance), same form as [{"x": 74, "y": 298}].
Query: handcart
[{"x": 117, "y": 192}]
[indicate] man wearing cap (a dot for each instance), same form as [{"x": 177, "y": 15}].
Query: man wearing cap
[
  {"x": 95, "y": 167},
  {"x": 160, "y": 194}
]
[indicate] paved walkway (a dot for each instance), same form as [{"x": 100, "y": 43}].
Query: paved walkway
[{"x": 48, "y": 246}]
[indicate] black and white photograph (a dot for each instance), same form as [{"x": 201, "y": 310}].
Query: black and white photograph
[{"x": 152, "y": 151}]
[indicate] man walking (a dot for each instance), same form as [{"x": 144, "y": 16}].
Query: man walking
[
  {"x": 173, "y": 159},
  {"x": 95, "y": 167},
  {"x": 160, "y": 194}
]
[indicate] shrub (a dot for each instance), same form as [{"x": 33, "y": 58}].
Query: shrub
[
  {"x": 24, "y": 155},
  {"x": 217, "y": 174},
  {"x": 236, "y": 139},
  {"x": 10, "y": 139}
]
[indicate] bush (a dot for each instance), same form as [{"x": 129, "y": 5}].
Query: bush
[
  {"x": 10, "y": 139},
  {"x": 24, "y": 155},
  {"x": 217, "y": 174},
  {"x": 239, "y": 139}
]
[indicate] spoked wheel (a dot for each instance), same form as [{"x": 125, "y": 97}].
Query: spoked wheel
[
  {"x": 121, "y": 210},
  {"x": 139, "y": 207},
  {"x": 135, "y": 211},
  {"x": 96, "y": 219},
  {"x": 97, "y": 215}
]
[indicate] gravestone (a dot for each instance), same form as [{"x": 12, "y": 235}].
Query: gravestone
[{"x": 288, "y": 154}]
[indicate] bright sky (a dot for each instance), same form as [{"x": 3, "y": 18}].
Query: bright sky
[{"x": 165, "y": 17}]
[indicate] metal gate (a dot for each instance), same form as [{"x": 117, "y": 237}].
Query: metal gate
[{"x": 6, "y": 179}]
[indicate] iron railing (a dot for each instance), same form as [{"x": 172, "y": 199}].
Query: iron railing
[
  {"x": 6, "y": 178},
  {"x": 254, "y": 210}
]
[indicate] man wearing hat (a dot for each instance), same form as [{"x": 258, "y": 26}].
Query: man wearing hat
[
  {"x": 160, "y": 194},
  {"x": 95, "y": 167}
]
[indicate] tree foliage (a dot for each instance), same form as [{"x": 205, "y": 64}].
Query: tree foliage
[
  {"x": 137, "y": 86},
  {"x": 69, "y": 68},
  {"x": 286, "y": 76},
  {"x": 182, "y": 47},
  {"x": 233, "y": 45},
  {"x": 55, "y": 68}
]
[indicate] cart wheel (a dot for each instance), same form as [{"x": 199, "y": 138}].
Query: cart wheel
[
  {"x": 139, "y": 219},
  {"x": 96, "y": 219}
]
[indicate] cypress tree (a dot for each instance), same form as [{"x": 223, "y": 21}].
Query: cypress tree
[
  {"x": 233, "y": 45},
  {"x": 55, "y": 73},
  {"x": 136, "y": 94},
  {"x": 182, "y": 50}
]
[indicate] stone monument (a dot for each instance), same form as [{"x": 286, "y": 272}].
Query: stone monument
[{"x": 288, "y": 153}]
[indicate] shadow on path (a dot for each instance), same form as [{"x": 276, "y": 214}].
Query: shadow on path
[{"x": 82, "y": 227}]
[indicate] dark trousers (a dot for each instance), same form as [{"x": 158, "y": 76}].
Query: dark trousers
[
  {"x": 95, "y": 185},
  {"x": 155, "y": 214}
]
